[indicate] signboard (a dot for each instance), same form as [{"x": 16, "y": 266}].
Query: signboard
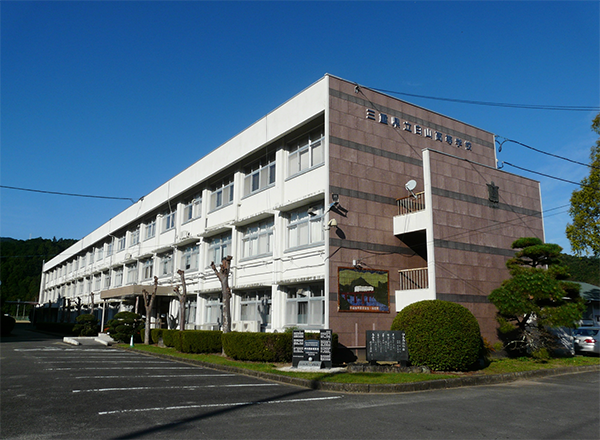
[
  {"x": 386, "y": 346},
  {"x": 363, "y": 290},
  {"x": 312, "y": 352}
]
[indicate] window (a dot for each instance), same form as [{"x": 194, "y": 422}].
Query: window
[
  {"x": 305, "y": 305},
  {"x": 189, "y": 258},
  {"x": 193, "y": 209},
  {"x": 305, "y": 152},
  {"x": 121, "y": 244},
  {"x": 147, "y": 269},
  {"x": 135, "y": 237},
  {"x": 305, "y": 226},
  {"x": 222, "y": 194},
  {"x": 91, "y": 259},
  {"x": 80, "y": 287},
  {"x": 109, "y": 249},
  {"x": 97, "y": 280},
  {"x": 166, "y": 264},
  {"x": 76, "y": 264},
  {"x": 219, "y": 247},
  {"x": 106, "y": 276},
  {"x": 132, "y": 273},
  {"x": 213, "y": 310},
  {"x": 256, "y": 306},
  {"x": 260, "y": 175},
  {"x": 100, "y": 253},
  {"x": 89, "y": 284},
  {"x": 150, "y": 229},
  {"x": 257, "y": 239},
  {"x": 118, "y": 277},
  {"x": 168, "y": 221}
]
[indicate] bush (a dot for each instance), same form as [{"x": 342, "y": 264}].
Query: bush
[
  {"x": 156, "y": 335},
  {"x": 172, "y": 338},
  {"x": 201, "y": 341},
  {"x": 124, "y": 325},
  {"x": 258, "y": 347},
  {"x": 87, "y": 325},
  {"x": 442, "y": 335},
  {"x": 7, "y": 324}
]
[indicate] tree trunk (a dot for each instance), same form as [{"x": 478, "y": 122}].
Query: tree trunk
[
  {"x": 223, "y": 275},
  {"x": 149, "y": 304},
  {"x": 182, "y": 299}
]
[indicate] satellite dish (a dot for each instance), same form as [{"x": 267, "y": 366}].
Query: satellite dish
[{"x": 410, "y": 185}]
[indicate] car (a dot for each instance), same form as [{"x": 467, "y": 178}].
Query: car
[{"x": 587, "y": 340}]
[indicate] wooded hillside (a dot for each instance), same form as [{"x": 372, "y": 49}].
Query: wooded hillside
[{"x": 21, "y": 267}]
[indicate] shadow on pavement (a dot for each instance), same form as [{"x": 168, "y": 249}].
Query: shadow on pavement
[{"x": 26, "y": 332}]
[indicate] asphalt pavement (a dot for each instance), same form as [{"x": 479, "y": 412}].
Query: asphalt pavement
[{"x": 50, "y": 389}]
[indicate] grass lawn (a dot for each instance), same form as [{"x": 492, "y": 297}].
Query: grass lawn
[{"x": 497, "y": 366}]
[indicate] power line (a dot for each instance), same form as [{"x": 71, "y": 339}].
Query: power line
[
  {"x": 576, "y": 108},
  {"x": 66, "y": 194},
  {"x": 544, "y": 152},
  {"x": 549, "y": 176}
]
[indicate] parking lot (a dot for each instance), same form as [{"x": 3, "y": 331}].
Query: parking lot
[{"x": 54, "y": 390}]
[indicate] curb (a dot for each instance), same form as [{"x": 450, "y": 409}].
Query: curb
[{"x": 428, "y": 385}]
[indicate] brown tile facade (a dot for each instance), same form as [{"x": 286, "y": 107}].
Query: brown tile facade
[{"x": 370, "y": 161}]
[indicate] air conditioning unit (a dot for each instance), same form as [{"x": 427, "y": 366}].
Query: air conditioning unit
[
  {"x": 209, "y": 327},
  {"x": 184, "y": 235},
  {"x": 236, "y": 326},
  {"x": 245, "y": 326}
]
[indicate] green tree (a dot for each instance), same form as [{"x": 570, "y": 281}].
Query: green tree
[
  {"x": 535, "y": 298},
  {"x": 584, "y": 232}
]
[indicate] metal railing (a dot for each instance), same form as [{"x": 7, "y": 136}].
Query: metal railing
[
  {"x": 412, "y": 203},
  {"x": 414, "y": 278}
]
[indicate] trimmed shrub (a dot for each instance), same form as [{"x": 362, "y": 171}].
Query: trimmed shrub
[
  {"x": 155, "y": 335},
  {"x": 7, "y": 324},
  {"x": 442, "y": 335},
  {"x": 87, "y": 325},
  {"x": 258, "y": 347},
  {"x": 124, "y": 325},
  {"x": 172, "y": 338},
  {"x": 201, "y": 341}
]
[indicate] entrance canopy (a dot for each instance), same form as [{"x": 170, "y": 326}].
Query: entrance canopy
[{"x": 135, "y": 290}]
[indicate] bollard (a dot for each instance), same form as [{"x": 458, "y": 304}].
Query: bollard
[{"x": 131, "y": 342}]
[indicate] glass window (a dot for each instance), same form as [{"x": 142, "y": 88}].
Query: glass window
[
  {"x": 166, "y": 264},
  {"x": 135, "y": 237},
  {"x": 132, "y": 273},
  {"x": 219, "y": 248},
  {"x": 221, "y": 194},
  {"x": 109, "y": 249},
  {"x": 150, "y": 229},
  {"x": 306, "y": 152},
  {"x": 147, "y": 269},
  {"x": 106, "y": 279},
  {"x": 168, "y": 221},
  {"x": 97, "y": 280},
  {"x": 256, "y": 306},
  {"x": 213, "y": 310},
  {"x": 121, "y": 244},
  {"x": 193, "y": 209},
  {"x": 260, "y": 175},
  {"x": 257, "y": 239},
  {"x": 118, "y": 277},
  {"x": 305, "y": 226},
  {"x": 305, "y": 305},
  {"x": 189, "y": 258},
  {"x": 100, "y": 253}
]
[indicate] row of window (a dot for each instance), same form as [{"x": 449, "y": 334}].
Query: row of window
[
  {"x": 304, "y": 153},
  {"x": 305, "y": 228}
]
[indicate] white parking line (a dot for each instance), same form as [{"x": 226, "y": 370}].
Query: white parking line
[
  {"x": 217, "y": 405},
  {"x": 157, "y": 375},
  {"x": 125, "y": 368},
  {"x": 184, "y": 387}
]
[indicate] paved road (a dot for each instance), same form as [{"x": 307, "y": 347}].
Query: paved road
[{"x": 53, "y": 390}]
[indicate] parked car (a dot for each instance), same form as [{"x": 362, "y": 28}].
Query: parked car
[{"x": 587, "y": 340}]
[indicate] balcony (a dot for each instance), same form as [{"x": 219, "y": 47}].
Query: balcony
[
  {"x": 411, "y": 279},
  {"x": 411, "y": 204}
]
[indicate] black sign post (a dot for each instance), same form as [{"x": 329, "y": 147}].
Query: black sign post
[
  {"x": 325, "y": 337},
  {"x": 312, "y": 353},
  {"x": 297, "y": 347},
  {"x": 387, "y": 346}
]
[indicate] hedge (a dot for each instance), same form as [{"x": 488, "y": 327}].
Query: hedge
[
  {"x": 155, "y": 335},
  {"x": 201, "y": 341},
  {"x": 172, "y": 338},
  {"x": 258, "y": 347}
]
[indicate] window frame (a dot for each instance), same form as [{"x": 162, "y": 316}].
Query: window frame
[
  {"x": 299, "y": 220},
  {"x": 221, "y": 191},
  {"x": 219, "y": 244},
  {"x": 251, "y": 239},
  {"x": 307, "y": 144},
  {"x": 259, "y": 170}
]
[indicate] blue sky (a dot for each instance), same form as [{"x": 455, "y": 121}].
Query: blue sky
[{"x": 115, "y": 98}]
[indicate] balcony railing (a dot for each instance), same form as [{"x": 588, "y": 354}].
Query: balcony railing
[
  {"x": 412, "y": 203},
  {"x": 414, "y": 278}
]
